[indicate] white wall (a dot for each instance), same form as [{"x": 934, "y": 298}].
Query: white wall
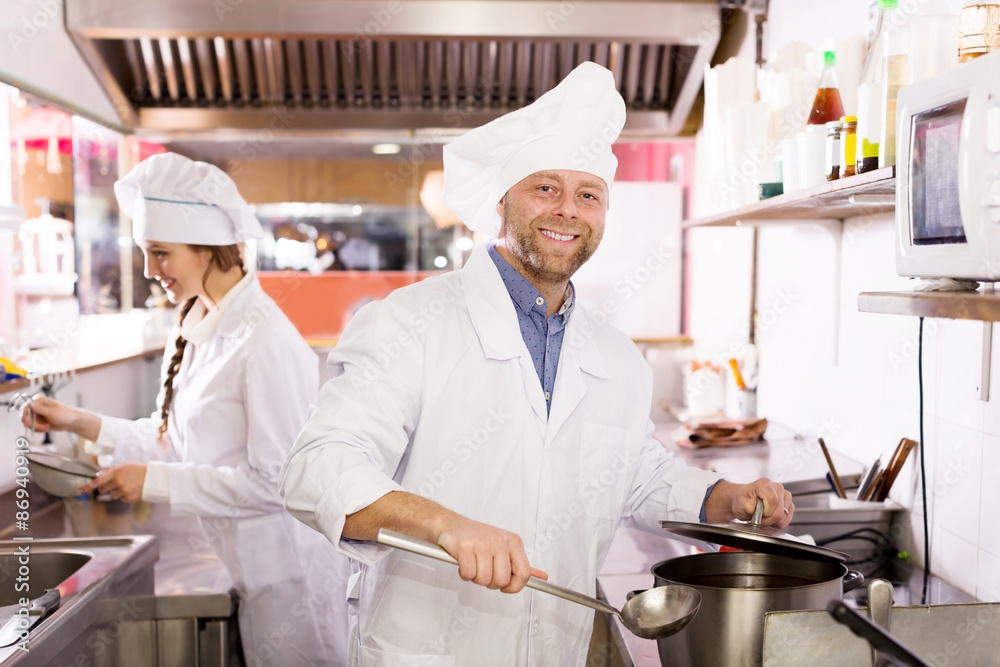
[
  {"x": 626, "y": 285},
  {"x": 828, "y": 370}
]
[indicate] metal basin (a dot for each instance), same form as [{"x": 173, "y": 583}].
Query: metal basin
[{"x": 45, "y": 570}]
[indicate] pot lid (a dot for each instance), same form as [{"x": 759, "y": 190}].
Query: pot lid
[{"x": 751, "y": 536}]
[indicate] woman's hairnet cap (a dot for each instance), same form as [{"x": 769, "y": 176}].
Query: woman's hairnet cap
[
  {"x": 173, "y": 199},
  {"x": 570, "y": 127}
]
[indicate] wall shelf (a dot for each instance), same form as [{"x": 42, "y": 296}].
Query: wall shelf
[
  {"x": 871, "y": 193},
  {"x": 979, "y": 305}
]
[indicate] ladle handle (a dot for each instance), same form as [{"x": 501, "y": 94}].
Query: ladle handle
[{"x": 391, "y": 538}]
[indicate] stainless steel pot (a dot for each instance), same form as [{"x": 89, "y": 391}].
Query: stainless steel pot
[{"x": 737, "y": 589}]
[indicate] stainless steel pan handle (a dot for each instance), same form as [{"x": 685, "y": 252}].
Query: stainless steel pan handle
[{"x": 391, "y": 538}]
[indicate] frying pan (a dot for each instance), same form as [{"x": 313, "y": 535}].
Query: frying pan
[{"x": 653, "y": 614}]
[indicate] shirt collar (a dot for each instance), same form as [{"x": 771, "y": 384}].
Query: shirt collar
[
  {"x": 522, "y": 292},
  {"x": 200, "y": 324}
]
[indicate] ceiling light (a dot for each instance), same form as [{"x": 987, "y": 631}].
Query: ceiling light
[{"x": 386, "y": 149}]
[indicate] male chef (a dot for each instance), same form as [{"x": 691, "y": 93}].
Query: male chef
[{"x": 486, "y": 411}]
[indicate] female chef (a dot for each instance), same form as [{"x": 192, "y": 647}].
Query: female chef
[{"x": 238, "y": 383}]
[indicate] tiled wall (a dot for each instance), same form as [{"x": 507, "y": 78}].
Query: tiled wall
[{"x": 828, "y": 370}]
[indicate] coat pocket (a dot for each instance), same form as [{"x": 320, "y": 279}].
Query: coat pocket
[{"x": 604, "y": 470}]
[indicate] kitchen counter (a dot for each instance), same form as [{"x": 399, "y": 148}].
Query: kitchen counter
[
  {"x": 52, "y": 363},
  {"x": 784, "y": 456},
  {"x": 186, "y": 566}
]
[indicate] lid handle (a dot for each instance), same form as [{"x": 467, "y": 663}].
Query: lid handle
[{"x": 758, "y": 513}]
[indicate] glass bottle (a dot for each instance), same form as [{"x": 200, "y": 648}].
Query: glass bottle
[
  {"x": 870, "y": 96},
  {"x": 827, "y": 105},
  {"x": 895, "y": 72},
  {"x": 978, "y": 28},
  {"x": 833, "y": 150},
  {"x": 848, "y": 141}
]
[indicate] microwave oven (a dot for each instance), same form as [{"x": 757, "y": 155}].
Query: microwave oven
[{"x": 948, "y": 176}]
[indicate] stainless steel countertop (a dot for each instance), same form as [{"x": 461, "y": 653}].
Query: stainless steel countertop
[
  {"x": 785, "y": 457},
  {"x": 186, "y": 566}
]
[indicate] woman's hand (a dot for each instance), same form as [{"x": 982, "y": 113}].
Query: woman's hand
[
  {"x": 44, "y": 414},
  {"x": 122, "y": 482}
]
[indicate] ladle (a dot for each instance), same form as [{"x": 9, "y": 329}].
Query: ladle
[{"x": 653, "y": 614}]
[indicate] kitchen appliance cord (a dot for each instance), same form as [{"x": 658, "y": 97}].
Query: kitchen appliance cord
[{"x": 923, "y": 471}]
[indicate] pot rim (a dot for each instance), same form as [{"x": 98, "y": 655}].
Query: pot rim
[{"x": 744, "y": 555}]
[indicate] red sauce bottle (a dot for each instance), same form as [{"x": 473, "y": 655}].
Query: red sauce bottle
[{"x": 827, "y": 106}]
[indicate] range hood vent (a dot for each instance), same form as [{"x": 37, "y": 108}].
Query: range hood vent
[{"x": 336, "y": 65}]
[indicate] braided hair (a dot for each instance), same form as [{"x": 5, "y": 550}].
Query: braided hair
[{"x": 225, "y": 258}]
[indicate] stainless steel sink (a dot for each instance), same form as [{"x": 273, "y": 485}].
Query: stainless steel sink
[
  {"x": 104, "y": 587},
  {"x": 47, "y": 569}
]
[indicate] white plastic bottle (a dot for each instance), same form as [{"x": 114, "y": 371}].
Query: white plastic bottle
[
  {"x": 870, "y": 96},
  {"x": 895, "y": 72},
  {"x": 933, "y": 40}
]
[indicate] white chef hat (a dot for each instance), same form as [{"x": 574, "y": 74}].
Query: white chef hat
[
  {"x": 570, "y": 127},
  {"x": 173, "y": 199}
]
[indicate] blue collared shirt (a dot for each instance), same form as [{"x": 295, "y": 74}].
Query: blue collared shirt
[{"x": 542, "y": 335}]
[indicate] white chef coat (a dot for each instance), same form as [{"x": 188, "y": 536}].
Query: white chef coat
[
  {"x": 433, "y": 391},
  {"x": 246, "y": 383}
]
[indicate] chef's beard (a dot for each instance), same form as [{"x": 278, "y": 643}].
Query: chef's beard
[{"x": 522, "y": 242}]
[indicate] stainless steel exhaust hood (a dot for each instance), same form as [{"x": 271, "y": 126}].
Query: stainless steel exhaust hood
[{"x": 187, "y": 67}]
